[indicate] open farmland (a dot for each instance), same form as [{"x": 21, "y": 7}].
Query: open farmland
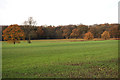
[{"x": 60, "y": 59}]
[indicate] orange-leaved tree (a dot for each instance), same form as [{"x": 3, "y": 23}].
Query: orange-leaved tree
[
  {"x": 13, "y": 33},
  {"x": 88, "y": 36},
  {"x": 75, "y": 33},
  {"x": 105, "y": 35}
]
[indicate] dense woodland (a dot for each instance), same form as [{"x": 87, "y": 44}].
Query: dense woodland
[{"x": 69, "y": 31}]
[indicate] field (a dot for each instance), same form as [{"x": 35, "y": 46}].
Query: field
[{"x": 60, "y": 59}]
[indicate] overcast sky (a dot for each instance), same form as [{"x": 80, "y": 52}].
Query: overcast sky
[{"x": 59, "y": 12}]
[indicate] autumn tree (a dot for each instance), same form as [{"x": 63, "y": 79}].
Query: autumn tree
[
  {"x": 29, "y": 26},
  {"x": 66, "y": 33},
  {"x": 114, "y": 31},
  {"x": 40, "y": 32},
  {"x": 13, "y": 33},
  {"x": 105, "y": 35},
  {"x": 93, "y": 30},
  {"x": 82, "y": 30},
  {"x": 88, "y": 36},
  {"x": 58, "y": 34},
  {"x": 50, "y": 32},
  {"x": 97, "y": 30},
  {"x": 75, "y": 33}
]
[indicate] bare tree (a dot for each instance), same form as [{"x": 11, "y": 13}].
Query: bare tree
[{"x": 28, "y": 27}]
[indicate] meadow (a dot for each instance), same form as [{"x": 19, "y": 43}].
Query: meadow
[{"x": 60, "y": 59}]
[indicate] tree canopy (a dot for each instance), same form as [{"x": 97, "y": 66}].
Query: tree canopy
[
  {"x": 68, "y": 31},
  {"x": 105, "y": 35},
  {"x": 89, "y": 36},
  {"x": 13, "y": 33}
]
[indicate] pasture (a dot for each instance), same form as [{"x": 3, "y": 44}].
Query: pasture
[{"x": 60, "y": 59}]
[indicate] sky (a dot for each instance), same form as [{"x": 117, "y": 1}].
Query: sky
[{"x": 59, "y": 12}]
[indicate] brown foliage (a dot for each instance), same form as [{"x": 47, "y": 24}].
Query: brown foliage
[
  {"x": 105, "y": 35},
  {"x": 114, "y": 31},
  {"x": 88, "y": 36},
  {"x": 75, "y": 33},
  {"x": 13, "y": 33},
  {"x": 40, "y": 32},
  {"x": 66, "y": 33}
]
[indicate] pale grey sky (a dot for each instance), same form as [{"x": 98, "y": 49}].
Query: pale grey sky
[{"x": 59, "y": 12}]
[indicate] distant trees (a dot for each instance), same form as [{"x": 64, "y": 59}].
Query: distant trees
[
  {"x": 13, "y": 33},
  {"x": 50, "y": 32},
  {"x": 58, "y": 34},
  {"x": 97, "y": 30},
  {"x": 75, "y": 33},
  {"x": 88, "y": 36},
  {"x": 93, "y": 30},
  {"x": 67, "y": 31},
  {"x": 105, "y": 35},
  {"x": 28, "y": 27},
  {"x": 82, "y": 29},
  {"x": 40, "y": 32},
  {"x": 114, "y": 31}
]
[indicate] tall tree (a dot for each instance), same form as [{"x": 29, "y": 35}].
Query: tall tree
[
  {"x": 13, "y": 33},
  {"x": 29, "y": 26}
]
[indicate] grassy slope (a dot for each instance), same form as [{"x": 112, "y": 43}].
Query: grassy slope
[{"x": 60, "y": 58}]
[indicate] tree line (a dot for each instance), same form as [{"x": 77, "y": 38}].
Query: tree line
[
  {"x": 64, "y": 31},
  {"x": 69, "y": 31}
]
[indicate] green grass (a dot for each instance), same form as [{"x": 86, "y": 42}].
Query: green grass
[{"x": 60, "y": 59}]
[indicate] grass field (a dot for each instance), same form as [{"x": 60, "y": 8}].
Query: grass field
[{"x": 60, "y": 59}]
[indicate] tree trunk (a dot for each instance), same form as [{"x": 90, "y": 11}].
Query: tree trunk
[
  {"x": 14, "y": 42},
  {"x": 29, "y": 39}
]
